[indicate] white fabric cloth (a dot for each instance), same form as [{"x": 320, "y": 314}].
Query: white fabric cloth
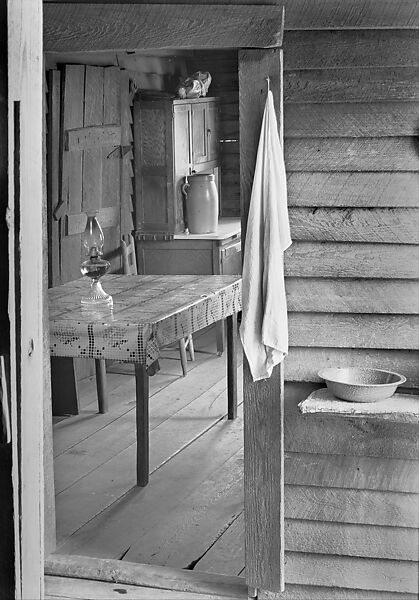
[{"x": 264, "y": 327}]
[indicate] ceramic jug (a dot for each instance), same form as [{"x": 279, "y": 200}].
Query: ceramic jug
[{"x": 201, "y": 203}]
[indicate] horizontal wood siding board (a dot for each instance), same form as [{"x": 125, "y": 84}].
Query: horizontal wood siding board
[
  {"x": 350, "y": 437},
  {"x": 372, "y": 541},
  {"x": 355, "y": 48},
  {"x": 368, "y": 14},
  {"x": 340, "y": 330},
  {"x": 352, "y": 84},
  {"x": 356, "y": 573},
  {"x": 303, "y": 364},
  {"x": 314, "y": 592},
  {"x": 371, "y": 261},
  {"x": 325, "y": 14},
  {"x": 93, "y": 27},
  {"x": 368, "y": 507},
  {"x": 379, "y": 225},
  {"x": 355, "y": 472},
  {"x": 345, "y": 119},
  {"x": 351, "y": 154},
  {"x": 352, "y": 296},
  {"x": 385, "y": 189}
]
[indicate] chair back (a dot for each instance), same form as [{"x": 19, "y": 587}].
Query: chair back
[{"x": 129, "y": 260}]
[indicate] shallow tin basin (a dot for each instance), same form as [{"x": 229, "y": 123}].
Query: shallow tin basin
[{"x": 361, "y": 385}]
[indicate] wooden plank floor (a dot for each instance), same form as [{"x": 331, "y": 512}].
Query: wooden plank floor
[{"x": 194, "y": 502}]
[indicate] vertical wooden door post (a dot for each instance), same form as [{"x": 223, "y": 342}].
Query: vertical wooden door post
[
  {"x": 263, "y": 400},
  {"x": 26, "y": 273}
]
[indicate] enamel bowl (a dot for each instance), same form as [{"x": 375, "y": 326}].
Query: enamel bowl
[{"x": 361, "y": 385}]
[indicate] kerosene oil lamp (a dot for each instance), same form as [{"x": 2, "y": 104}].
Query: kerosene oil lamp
[{"x": 95, "y": 266}]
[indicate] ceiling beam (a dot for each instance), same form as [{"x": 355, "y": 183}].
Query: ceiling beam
[{"x": 96, "y": 27}]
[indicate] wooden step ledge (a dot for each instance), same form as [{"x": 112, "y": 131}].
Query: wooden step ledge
[{"x": 400, "y": 408}]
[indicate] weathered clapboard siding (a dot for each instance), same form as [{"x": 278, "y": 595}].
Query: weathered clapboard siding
[
  {"x": 335, "y": 49},
  {"x": 359, "y": 472},
  {"x": 362, "y": 119},
  {"x": 352, "y": 296},
  {"x": 352, "y": 154},
  {"x": 391, "y": 189},
  {"x": 380, "y": 225},
  {"x": 358, "y": 573},
  {"x": 351, "y": 494},
  {"x": 373, "y": 541},
  {"x": 360, "y": 84},
  {"x": 330, "y": 259},
  {"x": 328, "y": 14},
  {"x": 336, "y": 330}
]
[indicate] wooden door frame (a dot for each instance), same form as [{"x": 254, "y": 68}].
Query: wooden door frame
[
  {"x": 243, "y": 27},
  {"x": 26, "y": 290}
]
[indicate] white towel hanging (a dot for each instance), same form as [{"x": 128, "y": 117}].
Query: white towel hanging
[{"x": 264, "y": 327}]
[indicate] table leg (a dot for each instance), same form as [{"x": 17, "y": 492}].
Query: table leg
[
  {"x": 219, "y": 335},
  {"x": 232, "y": 366},
  {"x": 141, "y": 395},
  {"x": 102, "y": 396}
]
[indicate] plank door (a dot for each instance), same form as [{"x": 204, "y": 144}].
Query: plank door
[{"x": 90, "y": 164}]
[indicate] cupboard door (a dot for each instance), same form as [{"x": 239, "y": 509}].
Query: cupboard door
[
  {"x": 155, "y": 209},
  {"x": 212, "y": 130},
  {"x": 182, "y": 159},
  {"x": 199, "y": 133}
]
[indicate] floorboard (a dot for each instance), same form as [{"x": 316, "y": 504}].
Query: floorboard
[
  {"x": 226, "y": 556},
  {"x": 196, "y": 462}
]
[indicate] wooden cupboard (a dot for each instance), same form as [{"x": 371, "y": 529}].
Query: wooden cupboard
[
  {"x": 173, "y": 139},
  {"x": 216, "y": 253}
]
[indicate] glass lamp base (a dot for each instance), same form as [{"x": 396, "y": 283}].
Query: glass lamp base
[{"x": 97, "y": 296}]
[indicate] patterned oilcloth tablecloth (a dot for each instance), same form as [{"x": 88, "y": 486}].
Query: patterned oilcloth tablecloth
[{"x": 149, "y": 312}]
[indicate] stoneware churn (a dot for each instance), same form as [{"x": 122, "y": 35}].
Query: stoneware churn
[{"x": 201, "y": 203}]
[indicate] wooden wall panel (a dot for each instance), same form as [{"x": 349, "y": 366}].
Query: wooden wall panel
[
  {"x": 352, "y": 296},
  {"x": 359, "y": 472},
  {"x": 137, "y": 27},
  {"x": 323, "y": 14},
  {"x": 352, "y": 154},
  {"x": 352, "y": 48},
  {"x": 355, "y": 120},
  {"x": 72, "y": 169},
  {"x": 380, "y": 225},
  {"x": 92, "y": 157},
  {"x": 390, "y": 189},
  {"x": 352, "y": 85},
  {"x": 349, "y": 437},
  {"x": 329, "y": 259},
  {"x": 373, "y": 541},
  {"x": 335, "y": 330},
  {"x": 368, "y": 507},
  {"x": 356, "y": 573},
  {"x": 368, "y": 14}
]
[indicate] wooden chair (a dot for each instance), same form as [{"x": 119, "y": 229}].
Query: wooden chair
[{"x": 129, "y": 264}]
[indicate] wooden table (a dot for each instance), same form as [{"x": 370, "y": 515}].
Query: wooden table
[{"x": 149, "y": 312}]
